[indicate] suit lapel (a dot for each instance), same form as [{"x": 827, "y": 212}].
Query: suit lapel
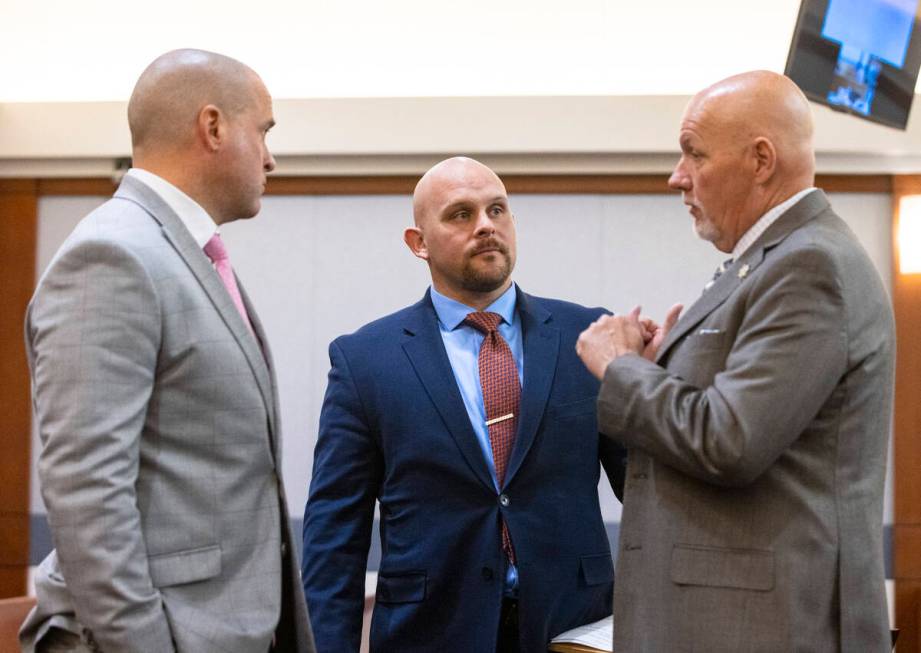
[
  {"x": 265, "y": 355},
  {"x": 426, "y": 351},
  {"x": 541, "y": 344},
  {"x": 804, "y": 210},
  {"x": 193, "y": 256}
]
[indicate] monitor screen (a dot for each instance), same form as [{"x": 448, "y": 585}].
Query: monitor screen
[{"x": 858, "y": 56}]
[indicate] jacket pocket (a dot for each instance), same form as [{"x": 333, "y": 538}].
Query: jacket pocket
[
  {"x": 188, "y": 566},
  {"x": 586, "y": 406},
  {"x": 401, "y": 588},
  {"x": 749, "y": 569},
  {"x": 597, "y": 569}
]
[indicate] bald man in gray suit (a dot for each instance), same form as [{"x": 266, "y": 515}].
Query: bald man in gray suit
[
  {"x": 155, "y": 397},
  {"x": 757, "y": 425}
]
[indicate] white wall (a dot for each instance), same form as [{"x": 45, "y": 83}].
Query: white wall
[
  {"x": 317, "y": 267},
  {"x": 95, "y": 49}
]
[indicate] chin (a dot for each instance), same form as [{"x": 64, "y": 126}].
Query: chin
[
  {"x": 252, "y": 211},
  {"x": 486, "y": 281},
  {"x": 706, "y": 231}
]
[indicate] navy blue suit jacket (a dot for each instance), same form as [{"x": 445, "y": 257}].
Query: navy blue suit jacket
[{"x": 394, "y": 429}]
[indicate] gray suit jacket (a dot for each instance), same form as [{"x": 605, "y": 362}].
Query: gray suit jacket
[
  {"x": 753, "y": 505},
  {"x": 157, "y": 411}
]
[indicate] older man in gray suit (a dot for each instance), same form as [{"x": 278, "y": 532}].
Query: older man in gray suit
[
  {"x": 155, "y": 397},
  {"x": 757, "y": 437}
]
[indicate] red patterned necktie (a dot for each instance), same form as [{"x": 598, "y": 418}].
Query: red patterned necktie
[{"x": 501, "y": 396}]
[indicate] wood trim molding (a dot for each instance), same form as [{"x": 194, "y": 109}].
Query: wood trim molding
[
  {"x": 906, "y": 300},
  {"x": 19, "y": 209},
  {"x": 404, "y": 184}
]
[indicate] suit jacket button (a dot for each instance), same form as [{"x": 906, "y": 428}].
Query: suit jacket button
[
  {"x": 284, "y": 549},
  {"x": 504, "y": 500},
  {"x": 487, "y": 573}
]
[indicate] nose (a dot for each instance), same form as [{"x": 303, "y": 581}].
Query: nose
[
  {"x": 679, "y": 179},
  {"x": 484, "y": 224},
  {"x": 268, "y": 161}
]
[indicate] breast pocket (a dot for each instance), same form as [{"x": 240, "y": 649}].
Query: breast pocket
[
  {"x": 701, "y": 356},
  {"x": 574, "y": 409}
]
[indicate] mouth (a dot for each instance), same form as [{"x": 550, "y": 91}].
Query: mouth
[{"x": 488, "y": 248}]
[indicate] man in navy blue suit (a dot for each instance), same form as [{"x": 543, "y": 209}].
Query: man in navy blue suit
[{"x": 477, "y": 435}]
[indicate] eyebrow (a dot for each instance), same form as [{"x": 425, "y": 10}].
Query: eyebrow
[{"x": 499, "y": 199}]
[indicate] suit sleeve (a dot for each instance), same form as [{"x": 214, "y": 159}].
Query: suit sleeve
[
  {"x": 788, "y": 356},
  {"x": 614, "y": 460},
  {"x": 347, "y": 472},
  {"x": 93, "y": 334}
]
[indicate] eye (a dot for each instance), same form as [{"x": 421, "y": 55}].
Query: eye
[
  {"x": 463, "y": 214},
  {"x": 497, "y": 209}
]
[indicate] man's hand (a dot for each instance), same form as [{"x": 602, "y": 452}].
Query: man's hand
[
  {"x": 610, "y": 337},
  {"x": 656, "y": 334}
]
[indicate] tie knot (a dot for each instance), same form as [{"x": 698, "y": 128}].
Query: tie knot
[
  {"x": 215, "y": 250},
  {"x": 485, "y": 322}
]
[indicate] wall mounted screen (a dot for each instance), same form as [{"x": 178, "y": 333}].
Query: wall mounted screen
[{"x": 858, "y": 56}]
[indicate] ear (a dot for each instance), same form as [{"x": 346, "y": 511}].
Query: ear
[
  {"x": 416, "y": 242},
  {"x": 210, "y": 127},
  {"x": 765, "y": 159}
]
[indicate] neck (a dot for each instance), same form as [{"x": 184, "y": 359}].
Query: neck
[
  {"x": 183, "y": 175},
  {"x": 478, "y": 300}
]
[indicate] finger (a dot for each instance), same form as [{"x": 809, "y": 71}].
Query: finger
[
  {"x": 602, "y": 320},
  {"x": 672, "y": 316},
  {"x": 634, "y": 315}
]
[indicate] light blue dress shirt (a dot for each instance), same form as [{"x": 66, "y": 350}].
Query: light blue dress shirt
[{"x": 462, "y": 343}]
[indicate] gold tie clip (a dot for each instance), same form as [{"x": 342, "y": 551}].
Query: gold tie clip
[{"x": 496, "y": 420}]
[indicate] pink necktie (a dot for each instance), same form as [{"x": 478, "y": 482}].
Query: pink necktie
[
  {"x": 216, "y": 251},
  {"x": 501, "y": 397}
]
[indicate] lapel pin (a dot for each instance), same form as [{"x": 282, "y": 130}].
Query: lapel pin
[{"x": 743, "y": 271}]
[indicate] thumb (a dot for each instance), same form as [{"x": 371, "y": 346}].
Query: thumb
[{"x": 634, "y": 315}]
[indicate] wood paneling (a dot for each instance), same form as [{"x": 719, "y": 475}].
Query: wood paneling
[
  {"x": 906, "y": 299},
  {"x": 18, "y": 219},
  {"x": 85, "y": 186},
  {"x": 404, "y": 184}
]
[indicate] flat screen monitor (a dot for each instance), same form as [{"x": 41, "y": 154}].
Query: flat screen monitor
[{"x": 858, "y": 56}]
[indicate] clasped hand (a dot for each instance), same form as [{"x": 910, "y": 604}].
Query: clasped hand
[{"x": 612, "y": 336}]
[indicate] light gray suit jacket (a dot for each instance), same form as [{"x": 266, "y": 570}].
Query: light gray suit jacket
[
  {"x": 157, "y": 411},
  {"x": 753, "y": 504}
]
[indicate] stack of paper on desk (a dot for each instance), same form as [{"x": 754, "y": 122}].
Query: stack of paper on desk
[{"x": 590, "y": 638}]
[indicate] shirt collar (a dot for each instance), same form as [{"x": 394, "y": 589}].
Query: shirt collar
[
  {"x": 765, "y": 221},
  {"x": 193, "y": 216},
  {"x": 451, "y": 313}
]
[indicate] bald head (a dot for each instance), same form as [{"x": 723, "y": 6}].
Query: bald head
[
  {"x": 171, "y": 92},
  {"x": 746, "y": 147},
  {"x": 762, "y": 104},
  {"x": 456, "y": 172},
  {"x": 464, "y": 230}
]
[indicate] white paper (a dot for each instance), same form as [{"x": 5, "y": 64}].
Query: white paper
[{"x": 598, "y": 635}]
